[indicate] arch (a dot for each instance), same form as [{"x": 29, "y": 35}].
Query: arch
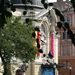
[
  {"x": 44, "y": 36},
  {"x": 19, "y": 72},
  {"x": 45, "y": 26}
]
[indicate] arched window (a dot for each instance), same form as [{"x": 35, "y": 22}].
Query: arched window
[{"x": 19, "y": 72}]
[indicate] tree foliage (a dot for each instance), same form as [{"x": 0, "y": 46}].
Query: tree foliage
[{"x": 16, "y": 40}]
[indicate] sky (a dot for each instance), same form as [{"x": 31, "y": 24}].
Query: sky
[
  {"x": 52, "y": 0},
  {"x": 55, "y": 0}
]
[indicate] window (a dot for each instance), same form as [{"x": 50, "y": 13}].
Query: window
[
  {"x": 65, "y": 64},
  {"x": 64, "y": 35},
  {"x": 63, "y": 50},
  {"x": 68, "y": 20},
  {"x": 68, "y": 36},
  {"x": 64, "y": 21},
  {"x": 68, "y": 49},
  {"x": 68, "y": 64}
]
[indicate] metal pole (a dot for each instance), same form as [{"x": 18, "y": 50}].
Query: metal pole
[{"x": 70, "y": 71}]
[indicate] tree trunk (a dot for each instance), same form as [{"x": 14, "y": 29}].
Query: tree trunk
[{"x": 7, "y": 69}]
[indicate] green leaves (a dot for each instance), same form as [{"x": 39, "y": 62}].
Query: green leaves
[
  {"x": 24, "y": 12},
  {"x": 13, "y": 9},
  {"x": 73, "y": 41},
  {"x": 40, "y": 50},
  {"x": 66, "y": 25},
  {"x": 73, "y": 4},
  {"x": 59, "y": 14},
  {"x": 27, "y": 20},
  {"x": 45, "y": 6},
  {"x": 72, "y": 1},
  {"x": 50, "y": 4},
  {"x": 29, "y": 1},
  {"x": 23, "y": 1},
  {"x": 38, "y": 45},
  {"x": 8, "y": 14},
  {"x": 37, "y": 40},
  {"x": 59, "y": 24},
  {"x": 17, "y": 40},
  {"x": 25, "y": 7},
  {"x": 61, "y": 17},
  {"x": 8, "y": 4},
  {"x": 37, "y": 29},
  {"x": 43, "y": 1},
  {"x": 50, "y": 55},
  {"x": 33, "y": 34},
  {"x": 64, "y": 29},
  {"x": 72, "y": 36},
  {"x": 44, "y": 55},
  {"x": 70, "y": 33}
]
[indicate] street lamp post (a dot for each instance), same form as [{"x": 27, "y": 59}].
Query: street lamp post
[
  {"x": 54, "y": 68},
  {"x": 24, "y": 68},
  {"x": 70, "y": 69}
]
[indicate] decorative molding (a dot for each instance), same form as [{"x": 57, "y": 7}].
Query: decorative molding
[{"x": 17, "y": 13}]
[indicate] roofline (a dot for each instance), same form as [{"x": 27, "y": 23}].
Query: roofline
[{"x": 38, "y": 6}]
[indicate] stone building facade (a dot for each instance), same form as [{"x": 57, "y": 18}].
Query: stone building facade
[
  {"x": 46, "y": 22},
  {"x": 66, "y": 50}
]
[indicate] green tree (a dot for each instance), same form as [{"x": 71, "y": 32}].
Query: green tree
[{"x": 16, "y": 40}]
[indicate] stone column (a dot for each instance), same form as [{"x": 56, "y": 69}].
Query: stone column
[
  {"x": 32, "y": 68},
  {"x": 48, "y": 43},
  {"x": 56, "y": 50}
]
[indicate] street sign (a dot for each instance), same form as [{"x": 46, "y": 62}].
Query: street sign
[{"x": 47, "y": 72}]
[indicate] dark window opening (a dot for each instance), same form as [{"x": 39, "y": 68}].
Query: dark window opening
[
  {"x": 64, "y": 35},
  {"x": 68, "y": 36},
  {"x": 64, "y": 21},
  {"x": 68, "y": 20}
]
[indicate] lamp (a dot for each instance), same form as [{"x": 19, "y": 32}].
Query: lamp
[
  {"x": 70, "y": 69},
  {"x": 54, "y": 66}
]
